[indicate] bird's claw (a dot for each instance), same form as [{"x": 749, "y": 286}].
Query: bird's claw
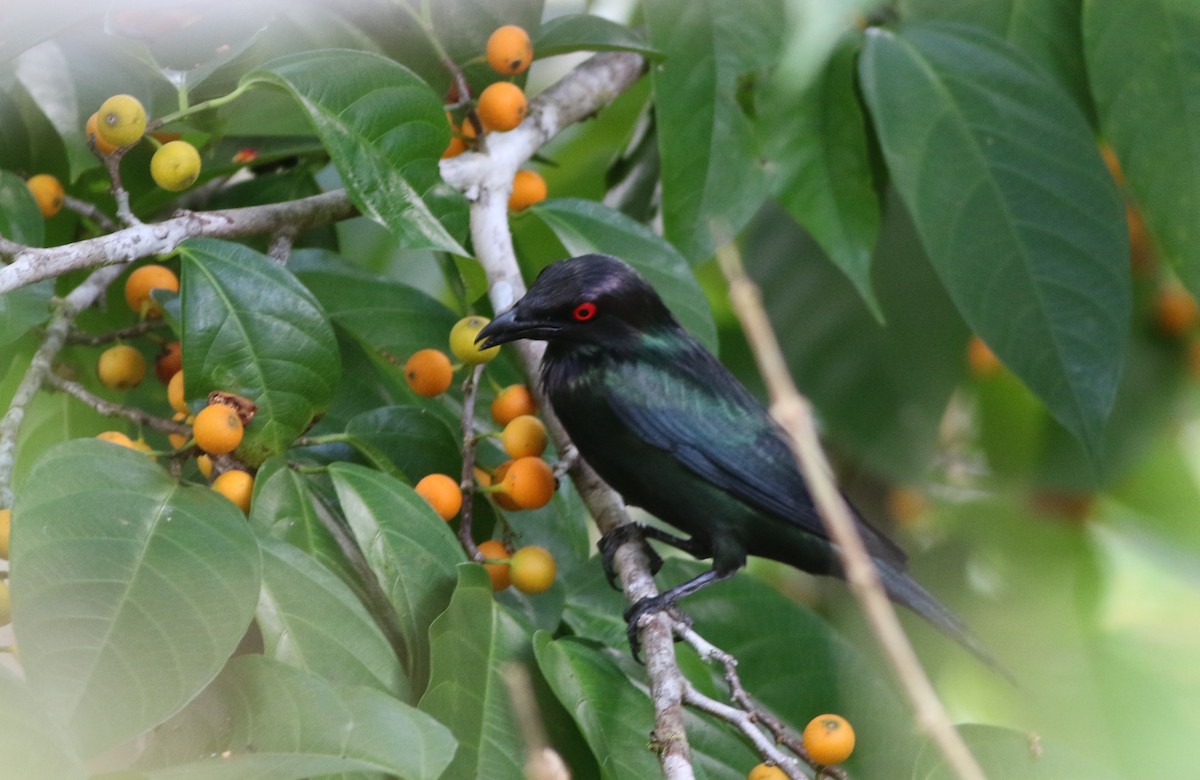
[
  {"x": 649, "y": 606},
  {"x": 612, "y": 541}
]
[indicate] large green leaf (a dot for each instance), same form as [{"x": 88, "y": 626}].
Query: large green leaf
[
  {"x": 712, "y": 179},
  {"x": 385, "y": 130},
  {"x": 129, "y": 590},
  {"x": 32, "y": 745},
  {"x": 585, "y": 226},
  {"x": 251, "y": 329},
  {"x": 614, "y": 715},
  {"x": 585, "y": 32},
  {"x": 821, "y": 171},
  {"x": 265, "y": 719},
  {"x": 468, "y": 643},
  {"x": 1149, "y": 108},
  {"x": 21, "y": 221},
  {"x": 1014, "y": 206},
  {"x": 414, "y": 440},
  {"x": 411, "y": 550},
  {"x": 312, "y": 620}
]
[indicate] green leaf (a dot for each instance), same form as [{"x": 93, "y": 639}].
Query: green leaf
[
  {"x": 1008, "y": 754},
  {"x": 385, "y": 130},
  {"x": 712, "y": 180},
  {"x": 585, "y": 226},
  {"x": 468, "y": 643},
  {"x": 821, "y": 172},
  {"x": 417, "y": 442},
  {"x": 411, "y": 550},
  {"x": 32, "y": 745},
  {"x": 253, "y": 330},
  {"x": 614, "y": 716},
  {"x": 312, "y": 620},
  {"x": 129, "y": 590},
  {"x": 1014, "y": 206},
  {"x": 1148, "y": 106},
  {"x": 20, "y": 218},
  {"x": 262, "y": 718},
  {"x": 381, "y": 314},
  {"x": 584, "y": 32}
]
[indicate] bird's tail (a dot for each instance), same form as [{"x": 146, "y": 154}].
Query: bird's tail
[{"x": 903, "y": 589}]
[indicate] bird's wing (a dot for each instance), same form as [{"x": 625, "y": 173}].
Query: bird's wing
[{"x": 689, "y": 404}]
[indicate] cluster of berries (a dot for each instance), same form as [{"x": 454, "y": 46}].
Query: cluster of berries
[
  {"x": 525, "y": 481},
  {"x": 217, "y": 429},
  {"x": 500, "y": 107}
]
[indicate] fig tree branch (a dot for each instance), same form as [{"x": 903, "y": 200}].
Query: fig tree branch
[{"x": 485, "y": 177}]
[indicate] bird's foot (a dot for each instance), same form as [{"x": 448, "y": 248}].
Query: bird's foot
[
  {"x": 649, "y": 606},
  {"x": 612, "y": 541}
]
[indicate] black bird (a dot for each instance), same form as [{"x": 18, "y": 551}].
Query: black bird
[{"x": 671, "y": 430}]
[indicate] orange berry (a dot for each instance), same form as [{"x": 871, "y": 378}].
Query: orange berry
[
  {"x": 529, "y": 482},
  {"x": 115, "y": 437},
  {"x": 829, "y": 739},
  {"x": 509, "y": 50},
  {"x": 528, "y": 188},
  {"x": 175, "y": 393},
  {"x": 121, "y": 367},
  {"x": 501, "y": 106},
  {"x": 494, "y": 550},
  {"x": 512, "y": 402},
  {"x": 205, "y": 464},
  {"x": 523, "y": 437},
  {"x": 142, "y": 281},
  {"x": 981, "y": 361},
  {"x": 457, "y": 145},
  {"x": 246, "y": 154},
  {"x": 532, "y": 569},
  {"x": 48, "y": 193},
  {"x": 496, "y": 479},
  {"x": 169, "y": 361},
  {"x": 429, "y": 372},
  {"x": 218, "y": 429},
  {"x": 5, "y": 531},
  {"x": 1175, "y": 310},
  {"x": 767, "y": 772},
  {"x": 443, "y": 494},
  {"x": 237, "y": 486},
  {"x": 103, "y": 147}
]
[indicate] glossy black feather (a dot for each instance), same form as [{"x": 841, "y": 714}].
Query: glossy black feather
[{"x": 668, "y": 426}]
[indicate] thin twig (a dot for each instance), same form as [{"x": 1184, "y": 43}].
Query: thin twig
[
  {"x": 112, "y": 162},
  {"x": 470, "y": 389},
  {"x": 112, "y": 409},
  {"x": 745, "y": 723},
  {"x": 92, "y": 212},
  {"x": 133, "y": 331},
  {"x": 793, "y": 413}
]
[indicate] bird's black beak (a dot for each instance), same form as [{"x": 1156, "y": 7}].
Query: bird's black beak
[{"x": 505, "y": 328}]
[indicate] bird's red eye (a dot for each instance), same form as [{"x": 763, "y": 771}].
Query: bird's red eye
[{"x": 584, "y": 311}]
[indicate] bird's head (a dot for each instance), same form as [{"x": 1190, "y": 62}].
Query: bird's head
[{"x": 591, "y": 299}]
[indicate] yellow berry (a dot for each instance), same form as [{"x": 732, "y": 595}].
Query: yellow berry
[
  {"x": 218, "y": 429},
  {"x": 121, "y": 367},
  {"x": 501, "y": 106},
  {"x": 512, "y": 402},
  {"x": 767, "y": 772},
  {"x": 142, "y": 282},
  {"x": 428, "y": 372},
  {"x": 115, "y": 437},
  {"x": 121, "y": 120},
  {"x": 48, "y": 192},
  {"x": 523, "y": 437},
  {"x": 532, "y": 569},
  {"x": 92, "y": 132},
  {"x": 498, "y": 572},
  {"x": 462, "y": 341},
  {"x": 5, "y": 531},
  {"x": 528, "y": 188},
  {"x": 175, "y": 393},
  {"x": 205, "y": 464},
  {"x": 168, "y": 361},
  {"x": 237, "y": 486},
  {"x": 828, "y": 739},
  {"x": 529, "y": 482},
  {"x": 509, "y": 50},
  {"x": 443, "y": 494},
  {"x": 175, "y": 166}
]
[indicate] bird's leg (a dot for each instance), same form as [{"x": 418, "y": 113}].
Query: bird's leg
[
  {"x": 666, "y": 600},
  {"x": 611, "y": 541}
]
